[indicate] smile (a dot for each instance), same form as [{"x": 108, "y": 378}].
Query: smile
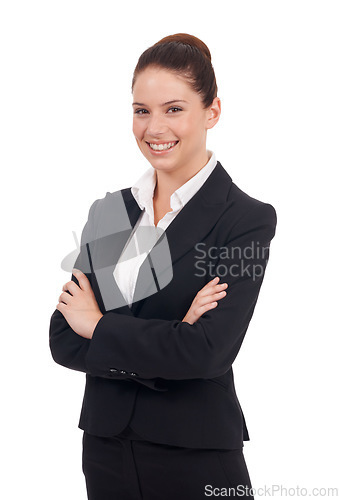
[{"x": 166, "y": 146}]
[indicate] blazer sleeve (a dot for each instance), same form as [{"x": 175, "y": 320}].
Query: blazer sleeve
[
  {"x": 67, "y": 347},
  {"x": 176, "y": 350}
]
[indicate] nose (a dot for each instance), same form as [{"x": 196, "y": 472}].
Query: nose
[{"x": 156, "y": 125}]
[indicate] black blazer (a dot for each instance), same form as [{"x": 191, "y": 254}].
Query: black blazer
[{"x": 172, "y": 381}]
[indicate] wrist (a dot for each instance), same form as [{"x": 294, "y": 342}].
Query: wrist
[{"x": 96, "y": 320}]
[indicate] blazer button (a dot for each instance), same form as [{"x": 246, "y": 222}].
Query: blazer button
[
  {"x": 123, "y": 372},
  {"x": 113, "y": 370},
  {"x": 134, "y": 374}
]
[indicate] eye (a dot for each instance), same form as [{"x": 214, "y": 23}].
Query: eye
[
  {"x": 174, "y": 109},
  {"x": 140, "y": 111}
]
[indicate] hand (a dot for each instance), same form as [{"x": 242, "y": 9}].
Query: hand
[
  {"x": 205, "y": 300},
  {"x": 79, "y": 306}
]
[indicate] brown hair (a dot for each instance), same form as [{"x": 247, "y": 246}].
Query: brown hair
[{"x": 184, "y": 54}]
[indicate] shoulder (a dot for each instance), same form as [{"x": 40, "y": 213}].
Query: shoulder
[
  {"x": 240, "y": 205},
  {"x": 248, "y": 206},
  {"x": 108, "y": 215},
  {"x": 243, "y": 212},
  {"x": 111, "y": 201},
  {"x": 250, "y": 216}
]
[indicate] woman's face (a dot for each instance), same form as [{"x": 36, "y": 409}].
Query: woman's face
[{"x": 169, "y": 121}]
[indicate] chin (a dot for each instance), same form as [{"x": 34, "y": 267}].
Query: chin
[{"x": 163, "y": 163}]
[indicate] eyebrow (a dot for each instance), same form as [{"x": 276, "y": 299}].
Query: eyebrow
[{"x": 164, "y": 104}]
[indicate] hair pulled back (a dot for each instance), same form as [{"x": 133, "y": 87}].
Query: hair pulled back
[{"x": 187, "y": 56}]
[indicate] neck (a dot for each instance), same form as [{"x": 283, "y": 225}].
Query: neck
[{"x": 169, "y": 181}]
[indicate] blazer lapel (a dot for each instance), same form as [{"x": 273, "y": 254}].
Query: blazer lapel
[
  {"x": 114, "y": 225},
  {"x": 189, "y": 227}
]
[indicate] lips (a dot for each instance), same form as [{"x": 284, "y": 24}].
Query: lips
[{"x": 161, "y": 147}]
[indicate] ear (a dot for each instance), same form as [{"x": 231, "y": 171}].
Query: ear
[{"x": 213, "y": 113}]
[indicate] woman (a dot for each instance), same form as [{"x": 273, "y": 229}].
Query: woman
[{"x": 142, "y": 316}]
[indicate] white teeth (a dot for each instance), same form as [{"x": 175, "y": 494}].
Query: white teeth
[{"x": 162, "y": 147}]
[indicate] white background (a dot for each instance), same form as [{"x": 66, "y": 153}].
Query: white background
[{"x": 66, "y": 140}]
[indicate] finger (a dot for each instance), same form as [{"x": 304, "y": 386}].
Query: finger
[
  {"x": 62, "y": 308},
  {"x": 210, "y": 288},
  {"x": 82, "y": 280},
  {"x": 207, "y": 299},
  {"x": 214, "y": 281},
  {"x": 65, "y": 298},
  {"x": 71, "y": 287},
  {"x": 218, "y": 295},
  {"x": 207, "y": 307}
]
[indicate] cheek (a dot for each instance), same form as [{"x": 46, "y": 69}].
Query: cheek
[
  {"x": 137, "y": 129},
  {"x": 191, "y": 127},
  {"x": 183, "y": 129}
]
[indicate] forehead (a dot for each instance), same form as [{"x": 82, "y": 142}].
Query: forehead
[{"x": 159, "y": 84}]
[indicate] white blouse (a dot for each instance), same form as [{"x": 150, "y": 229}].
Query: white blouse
[{"x": 127, "y": 268}]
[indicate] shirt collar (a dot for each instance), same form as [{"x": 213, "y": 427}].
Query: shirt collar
[{"x": 143, "y": 189}]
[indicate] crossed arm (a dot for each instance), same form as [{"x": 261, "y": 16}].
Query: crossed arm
[
  {"x": 80, "y": 309},
  {"x": 203, "y": 345},
  {"x": 72, "y": 330}
]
